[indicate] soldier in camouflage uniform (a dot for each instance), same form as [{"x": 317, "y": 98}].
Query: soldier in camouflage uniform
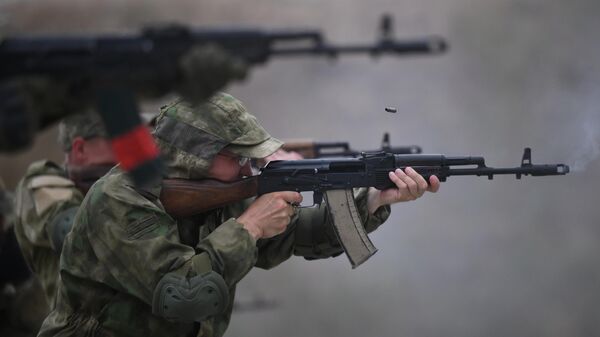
[
  {"x": 47, "y": 197},
  {"x": 129, "y": 269}
]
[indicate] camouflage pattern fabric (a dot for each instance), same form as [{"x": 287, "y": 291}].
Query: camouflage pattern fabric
[
  {"x": 189, "y": 136},
  {"x": 123, "y": 242},
  {"x": 22, "y": 303},
  {"x": 41, "y": 194},
  {"x": 85, "y": 125}
]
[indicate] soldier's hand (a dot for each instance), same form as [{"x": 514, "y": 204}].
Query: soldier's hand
[
  {"x": 270, "y": 214},
  {"x": 206, "y": 70},
  {"x": 410, "y": 185}
]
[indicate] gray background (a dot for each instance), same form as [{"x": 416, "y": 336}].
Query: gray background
[{"x": 479, "y": 258}]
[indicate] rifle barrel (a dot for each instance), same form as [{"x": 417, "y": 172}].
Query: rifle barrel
[
  {"x": 534, "y": 170},
  {"x": 424, "y": 46}
]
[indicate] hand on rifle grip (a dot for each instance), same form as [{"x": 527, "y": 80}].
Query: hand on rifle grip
[{"x": 270, "y": 214}]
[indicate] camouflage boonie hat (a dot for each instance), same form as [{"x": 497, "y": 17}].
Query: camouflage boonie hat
[
  {"x": 86, "y": 125},
  {"x": 190, "y": 136}
]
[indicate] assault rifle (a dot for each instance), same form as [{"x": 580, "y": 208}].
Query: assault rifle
[
  {"x": 334, "y": 179},
  {"x": 310, "y": 149},
  {"x": 109, "y": 72}
]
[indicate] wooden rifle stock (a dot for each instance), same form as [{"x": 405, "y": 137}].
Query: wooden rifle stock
[{"x": 183, "y": 198}]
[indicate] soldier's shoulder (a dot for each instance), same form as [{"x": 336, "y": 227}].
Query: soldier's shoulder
[
  {"x": 116, "y": 185},
  {"x": 175, "y": 104},
  {"x": 45, "y": 168},
  {"x": 47, "y": 184},
  {"x": 46, "y": 174}
]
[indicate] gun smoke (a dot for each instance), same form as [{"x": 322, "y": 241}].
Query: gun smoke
[{"x": 590, "y": 147}]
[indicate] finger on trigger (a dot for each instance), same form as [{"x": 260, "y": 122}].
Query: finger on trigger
[{"x": 292, "y": 197}]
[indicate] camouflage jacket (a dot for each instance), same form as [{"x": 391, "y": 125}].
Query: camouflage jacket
[
  {"x": 43, "y": 193},
  {"x": 123, "y": 242}
]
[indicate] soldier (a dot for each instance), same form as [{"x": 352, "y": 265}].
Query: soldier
[
  {"x": 49, "y": 195},
  {"x": 22, "y": 303},
  {"x": 128, "y": 268}
]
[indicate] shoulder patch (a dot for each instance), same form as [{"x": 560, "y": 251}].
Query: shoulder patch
[{"x": 143, "y": 227}]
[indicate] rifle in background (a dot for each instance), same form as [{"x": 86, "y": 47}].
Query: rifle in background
[
  {"x": 66, "y": 74},
  {"x": 310, "y": 149}
]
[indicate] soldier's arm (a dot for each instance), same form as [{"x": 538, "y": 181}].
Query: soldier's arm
[
  {"x": 41, "y": 199},
  {"x": 311, "y": 234},
  {"x": 140, "y": 244}
]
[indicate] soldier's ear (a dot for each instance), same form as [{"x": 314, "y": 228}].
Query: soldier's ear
[{"x": 77, "y": 154}]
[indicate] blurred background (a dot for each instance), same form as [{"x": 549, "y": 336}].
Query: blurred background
[{"x": 504, "y": 257}]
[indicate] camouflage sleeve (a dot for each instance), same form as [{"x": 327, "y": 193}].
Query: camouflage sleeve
[
  {"x": 311, "y": 234},
  {"x": 38, "y": 200},
  {"x": 139, "y": 244},
  {"x": 232, "y": 250},
  {"x": 40, "y": 196}
]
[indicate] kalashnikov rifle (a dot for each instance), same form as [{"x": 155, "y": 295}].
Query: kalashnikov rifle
[
  {"x": 109, "y": 72},
  {"x": 334, "y": 179}
]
